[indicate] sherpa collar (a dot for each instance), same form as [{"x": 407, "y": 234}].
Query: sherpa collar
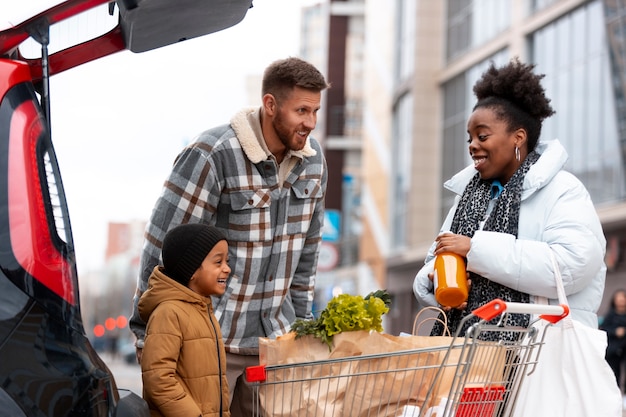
[{"x": 245, "y": 131}]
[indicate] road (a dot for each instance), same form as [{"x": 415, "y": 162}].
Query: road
[{"x": 127, "y": 376}]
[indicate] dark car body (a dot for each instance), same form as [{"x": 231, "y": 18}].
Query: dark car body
[{"x": 47, "y": 365}]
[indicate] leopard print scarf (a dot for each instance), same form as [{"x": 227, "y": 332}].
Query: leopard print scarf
[{"x": 504, "y": 218}]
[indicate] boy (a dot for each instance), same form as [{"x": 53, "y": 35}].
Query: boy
[{"x": 184, "y": 361}]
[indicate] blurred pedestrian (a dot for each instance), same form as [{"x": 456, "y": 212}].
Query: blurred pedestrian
[
  {"x": 261, "y": 179},
  {"x": 183, "y": 364},
  {"x": 614, "y": 323}
]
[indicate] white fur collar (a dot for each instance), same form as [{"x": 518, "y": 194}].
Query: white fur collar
[{"x": 245, "y": 128}]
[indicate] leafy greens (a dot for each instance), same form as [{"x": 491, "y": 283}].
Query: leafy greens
[{"x": 343, "y": 313}]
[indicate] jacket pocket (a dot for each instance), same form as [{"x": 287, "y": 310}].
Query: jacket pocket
[
  {"x": 306, "y": 194},
  {"x": 250, "y": 218}
]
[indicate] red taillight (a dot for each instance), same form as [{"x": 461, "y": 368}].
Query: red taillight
[
  {"x": 31, "y": 241},
  {"x": 12, "y": 73}
]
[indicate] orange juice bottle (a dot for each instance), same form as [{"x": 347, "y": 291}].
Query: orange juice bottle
[{"x": 450, "y": 280}]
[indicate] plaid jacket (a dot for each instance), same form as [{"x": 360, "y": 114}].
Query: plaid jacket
[{"x": 274, "y": 234}]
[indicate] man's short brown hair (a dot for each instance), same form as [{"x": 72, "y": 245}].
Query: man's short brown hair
[{"x": 284, "y": 75}]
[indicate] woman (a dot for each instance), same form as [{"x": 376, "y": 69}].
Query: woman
[{"x": 515, "y": 204}]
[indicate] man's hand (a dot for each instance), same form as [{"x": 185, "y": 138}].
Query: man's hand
[{"x": 138, "y": 353}]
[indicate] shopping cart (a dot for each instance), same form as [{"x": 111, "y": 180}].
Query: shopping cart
[{"x": 471, "y": 376}]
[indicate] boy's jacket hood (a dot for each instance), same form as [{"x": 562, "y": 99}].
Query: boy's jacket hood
[{"x": 162, "y": 288}]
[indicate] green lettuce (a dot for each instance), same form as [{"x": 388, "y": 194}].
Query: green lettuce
[{"x": 345, "y": 313}]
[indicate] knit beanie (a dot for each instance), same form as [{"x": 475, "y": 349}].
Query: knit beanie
[{"x": 185, "y": 247}]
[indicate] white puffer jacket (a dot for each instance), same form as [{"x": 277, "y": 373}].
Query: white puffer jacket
[{"x": 557, "y": 214}]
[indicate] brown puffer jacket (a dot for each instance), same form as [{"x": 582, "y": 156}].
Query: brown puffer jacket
[{"x": 184, "y": 363}]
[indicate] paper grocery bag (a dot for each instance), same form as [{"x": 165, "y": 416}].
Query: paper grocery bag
[
  {"x": 301, "y": 389},
  {"x": 324, "y": 385},
  {"x": 287, "y": 349},
  {"x": 384, "y": 386}
]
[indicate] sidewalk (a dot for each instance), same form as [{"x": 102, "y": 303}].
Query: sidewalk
[{"x": 127, "y": 376}]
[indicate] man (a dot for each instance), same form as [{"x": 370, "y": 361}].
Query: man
[{"x": 261, "y": 180}]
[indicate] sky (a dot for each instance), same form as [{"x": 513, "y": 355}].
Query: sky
[{"x": 119, "y": 122}]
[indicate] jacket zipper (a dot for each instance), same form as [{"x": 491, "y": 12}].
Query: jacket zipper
[{"x": 219, "y": 361}]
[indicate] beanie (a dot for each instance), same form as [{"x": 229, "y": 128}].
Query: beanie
[{"x": 185, "y": 247}]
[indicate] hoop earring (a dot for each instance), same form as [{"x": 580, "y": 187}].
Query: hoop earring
[{"x": 517, "y": 155}]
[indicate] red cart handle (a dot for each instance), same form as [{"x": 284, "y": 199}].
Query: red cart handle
[
  {"x": 551, "y": 313},
  {"x": 256, "y": 373}
]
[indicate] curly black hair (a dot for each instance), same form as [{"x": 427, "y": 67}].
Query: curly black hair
[{"x": 517, "y": 97}]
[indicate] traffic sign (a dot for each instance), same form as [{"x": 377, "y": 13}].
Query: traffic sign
[
  {"x": 332, "y": 225},
  {"x": 328, "y": 257}
]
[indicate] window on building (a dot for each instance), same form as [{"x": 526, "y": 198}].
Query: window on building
[
  {"x": 472, "y": 23},
  {"x": 536, "y": 5},
  {"x": 402, "y": 125},
  {"x": 405, "y": 54},
  {"x": 401, "y": 168},
  {"x": 573, "y": 53}
]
